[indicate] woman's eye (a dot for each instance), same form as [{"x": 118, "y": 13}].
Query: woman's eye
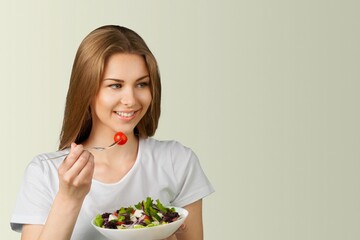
[
  {"x": 115, "y": 86},
  {"x": 143, "y": 84}
]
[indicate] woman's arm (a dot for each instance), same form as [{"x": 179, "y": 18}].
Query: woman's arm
[
  {"x": 59, "y": 225},
  {"x": 193, "y": 226},
  {"x": 75, "y": 175}
]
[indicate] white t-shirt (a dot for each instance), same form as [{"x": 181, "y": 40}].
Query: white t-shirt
[{"x": 164, "y": 170}]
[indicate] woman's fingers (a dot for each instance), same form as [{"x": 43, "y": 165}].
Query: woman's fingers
[
  {"x": 181, "y": 229},
  {"x": 71, "y": 158},
  {"x": 76, "y": 171},
  {"x": 79, "y": 164},
  {"x": 86, "y": 173}
]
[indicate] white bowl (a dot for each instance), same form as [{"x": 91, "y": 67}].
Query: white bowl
[{"x": 149, "y": 233}]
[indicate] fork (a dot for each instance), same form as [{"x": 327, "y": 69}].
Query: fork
[
  {"x": 97, "y": 148},
  {"x": 103, "y": 148}
]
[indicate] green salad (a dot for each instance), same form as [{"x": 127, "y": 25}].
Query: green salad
[{"x": 147, "y": 213}]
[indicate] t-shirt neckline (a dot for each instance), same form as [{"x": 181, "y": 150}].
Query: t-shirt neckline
[{"x": 129, "y": 173}]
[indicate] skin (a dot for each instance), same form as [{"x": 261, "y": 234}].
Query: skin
[{"x": 124, "y": 88}]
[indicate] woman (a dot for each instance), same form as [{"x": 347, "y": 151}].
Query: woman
[{"x": 114, "y": 87}]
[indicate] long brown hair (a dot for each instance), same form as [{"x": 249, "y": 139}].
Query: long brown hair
[{"x": 86, "y": 76}]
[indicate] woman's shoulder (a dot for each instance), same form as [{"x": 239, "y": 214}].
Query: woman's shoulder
[
  {"x": 166, "y": 149},
  {"x": 163, "y": 145}
]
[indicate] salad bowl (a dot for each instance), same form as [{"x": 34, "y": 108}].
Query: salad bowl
[{"x": 148, "y": 233}]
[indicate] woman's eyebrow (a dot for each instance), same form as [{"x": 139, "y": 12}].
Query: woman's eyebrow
[{"x": 120, "y": 80}]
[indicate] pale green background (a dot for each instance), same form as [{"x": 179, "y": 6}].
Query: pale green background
[{"x": 266, "y": 93}]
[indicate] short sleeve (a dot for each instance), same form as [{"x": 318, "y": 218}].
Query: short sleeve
[
  {"x": 193, "y": 184},
  {"x": 34, "y": 199}
]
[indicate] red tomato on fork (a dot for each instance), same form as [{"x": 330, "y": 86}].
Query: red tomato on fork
[{"x": 120, "y": 137}]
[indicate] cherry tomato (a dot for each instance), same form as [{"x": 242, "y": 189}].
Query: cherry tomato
[{"x": 120, "y": 138}]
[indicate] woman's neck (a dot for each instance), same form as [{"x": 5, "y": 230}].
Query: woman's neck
[{"x": 113, "y": 164}]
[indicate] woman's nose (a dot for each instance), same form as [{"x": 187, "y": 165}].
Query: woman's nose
[{"x": 128, "y": 97}]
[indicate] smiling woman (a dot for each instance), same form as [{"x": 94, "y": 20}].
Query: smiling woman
[
  {"x": 124, "y": 95},
  {"x": 91, "y": 62},
  {"x": 114, "y": 87}
]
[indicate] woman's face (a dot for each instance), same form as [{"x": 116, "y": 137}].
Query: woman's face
[{"x": 124, "y": 95}]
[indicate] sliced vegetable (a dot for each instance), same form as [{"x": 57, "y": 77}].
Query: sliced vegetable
[{"x": 145, "y": 214}]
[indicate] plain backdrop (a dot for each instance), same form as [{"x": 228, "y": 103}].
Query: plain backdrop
[{"x": 265, "y": 92}]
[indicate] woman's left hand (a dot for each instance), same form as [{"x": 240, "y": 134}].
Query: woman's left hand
[
  {"x": 182, "y": 229},
  {"x": 192, "y": 228}
]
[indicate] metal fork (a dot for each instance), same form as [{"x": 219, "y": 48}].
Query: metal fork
[
  {"x": 97, "y": 148},
  {"x": 103, "y": 148}
]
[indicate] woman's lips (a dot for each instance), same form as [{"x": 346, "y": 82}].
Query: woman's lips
[{"x": 126, "y": 115}]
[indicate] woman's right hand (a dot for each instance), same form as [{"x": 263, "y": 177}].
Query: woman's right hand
[
  {"x": 75, "y": 173},
  {"x": 75, "y": 176}
]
